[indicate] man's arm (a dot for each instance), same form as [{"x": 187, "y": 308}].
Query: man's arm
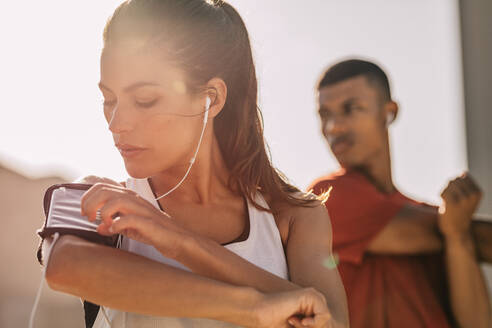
[
  {"x": 414, "y": 230},
  {"x": 468, "y": 292},
  {"x": 481, "y": 231}
]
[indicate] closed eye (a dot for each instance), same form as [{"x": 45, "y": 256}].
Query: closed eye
[{"x": 146, "y": 104}]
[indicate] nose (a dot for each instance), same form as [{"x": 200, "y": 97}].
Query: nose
[
  {"x": 120, "y": 120},
  {"x": 334, "y": 126}
]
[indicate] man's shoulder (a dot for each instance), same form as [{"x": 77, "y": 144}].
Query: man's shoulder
[{"x": 340, "y": 179}]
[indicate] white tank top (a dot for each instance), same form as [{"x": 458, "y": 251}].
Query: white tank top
[{"x": 263, "y": 247}]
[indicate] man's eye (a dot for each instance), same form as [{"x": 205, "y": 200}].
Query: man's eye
[{"x": 349, "y": 109}]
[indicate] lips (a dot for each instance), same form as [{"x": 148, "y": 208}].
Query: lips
[
  {"x": 340, "y": 145},
  {"x": 129, "y": 151}
]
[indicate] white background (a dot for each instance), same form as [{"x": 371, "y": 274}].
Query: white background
[{"x": 51, "y": 116}]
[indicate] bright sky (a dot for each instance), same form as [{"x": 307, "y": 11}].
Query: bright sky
[{"x": 52, "y": 120}]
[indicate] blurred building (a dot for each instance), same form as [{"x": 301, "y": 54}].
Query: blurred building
[
  {"x": 21, "y": 214},
  {"x": 476, "y": 27}
]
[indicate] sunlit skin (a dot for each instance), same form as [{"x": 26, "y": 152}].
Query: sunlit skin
[
  {"x": 148, "y": 115},
  {"x": 156, "y": 123},
  {"x": 354, "y": 121},
  {"x": 165, "y": 121}
]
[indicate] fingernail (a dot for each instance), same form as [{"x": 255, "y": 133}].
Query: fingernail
[{"x": 110, "y": 229}]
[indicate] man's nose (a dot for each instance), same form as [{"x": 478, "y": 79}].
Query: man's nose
[{"x": 334, "y": 126}]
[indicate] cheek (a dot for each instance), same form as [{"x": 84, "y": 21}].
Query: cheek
[{"x": 171, "y": 138}]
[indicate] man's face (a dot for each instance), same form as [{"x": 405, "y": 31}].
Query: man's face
[{"x": 353, "y": 121}]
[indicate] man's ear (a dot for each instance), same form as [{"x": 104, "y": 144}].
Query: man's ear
[
  {"x": 391, "y": 109},
  {"x": 216, "y": 89}
]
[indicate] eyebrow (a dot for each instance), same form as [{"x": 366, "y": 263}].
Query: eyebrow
[{"x": 131, "y": 87}]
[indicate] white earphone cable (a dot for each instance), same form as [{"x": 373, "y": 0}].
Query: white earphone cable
[
  {"x": 192, "y": 161},
  {"x": 40, "y": 289}
]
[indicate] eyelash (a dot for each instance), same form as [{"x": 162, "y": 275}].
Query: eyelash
[
  {"x": 146, "y": 104},
  {"x": 139, "y": 104}
]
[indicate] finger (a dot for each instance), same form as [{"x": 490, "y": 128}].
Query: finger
[
  {"x": 323, "y": 319},
  {"x": 121, "y": 205},
  {"x": 143, "y": 225},
  {"x": 308, "y": 322},
  {"x": 295, "y": 322},
  {"x": 92, "y": 179},
  {"x": 450, "y": 194},
  {"x": 462, "y": 188},
  {"x": 472, "y": 185},
  {"x": 103, "y": 229},
  {"x": 95, "y": 197},
  {"x": 446, "y": 193}
]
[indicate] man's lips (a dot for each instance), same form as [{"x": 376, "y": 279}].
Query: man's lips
[{"x": 339, "y": 146}]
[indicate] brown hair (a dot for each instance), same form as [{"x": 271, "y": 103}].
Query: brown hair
[{"x": 208, "y": 39}]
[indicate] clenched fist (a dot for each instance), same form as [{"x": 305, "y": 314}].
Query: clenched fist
[{"x": 460, "y": 200}]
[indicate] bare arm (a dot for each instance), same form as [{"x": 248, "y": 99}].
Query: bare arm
[
  {"x": 102, "y": 274},
  {"x": 103, "y": 279},
  {"x": 414, "y": 230},
  {"x": 481, "y": 231},
  {"x": 207, "y": 258},
  {"x": 310, "y": 258},
  {"x": 469, "y": 297}
]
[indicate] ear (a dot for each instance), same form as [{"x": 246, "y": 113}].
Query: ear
[
  {"x": 216, "y": 89},
  {"x": 391, "y": 110}
]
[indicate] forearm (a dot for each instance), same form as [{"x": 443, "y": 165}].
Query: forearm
[
  {"x": 482, "y": 235},
  {"x": 468, "y": 291},
  {"x": 322, "y": 274},
  {"x": 209, "y": 259},
  {"x": 106, "y": 276}
]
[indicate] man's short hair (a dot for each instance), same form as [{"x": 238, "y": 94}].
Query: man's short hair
[{"x": 353, "y": 68}]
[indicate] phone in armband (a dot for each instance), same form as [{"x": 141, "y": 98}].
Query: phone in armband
[{"x": 62, "y": 204}]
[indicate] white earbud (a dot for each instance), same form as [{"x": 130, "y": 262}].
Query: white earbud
[
  {"x": 208, "y": 102},
  {"x": 389, "y": 119}
]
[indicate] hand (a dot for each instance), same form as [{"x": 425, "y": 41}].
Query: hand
[
  {"x": 92, "y": 179},
  {"x": 123, "y": 211},
  {"x": 300, "y": 308},
  {"x": 460, "y": 200}
]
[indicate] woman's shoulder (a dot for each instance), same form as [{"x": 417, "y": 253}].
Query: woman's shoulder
[{"x": 287, "y": 214}]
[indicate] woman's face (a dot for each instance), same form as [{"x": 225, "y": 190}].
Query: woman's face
[{"x": 144, "y": 100}]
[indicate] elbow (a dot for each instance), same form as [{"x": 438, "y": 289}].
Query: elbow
[{"x": 61, "y": 266}]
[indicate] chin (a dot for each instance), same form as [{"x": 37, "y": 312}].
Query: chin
[
  {"x": 348, "y": 163},
  {"x": 137, "y": 172}
]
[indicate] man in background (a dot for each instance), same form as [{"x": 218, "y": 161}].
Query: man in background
[{"x": 403, "y": 263}]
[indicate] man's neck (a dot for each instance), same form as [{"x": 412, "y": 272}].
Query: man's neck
[{"x": 378, "y": 171}]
